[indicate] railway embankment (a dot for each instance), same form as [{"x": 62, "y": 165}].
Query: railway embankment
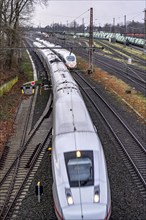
[
  {"x": 12, "y": 97},
  {"x": 9, "y": 104}
]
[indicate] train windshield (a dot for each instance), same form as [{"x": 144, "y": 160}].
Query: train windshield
[
  {"x": 80, "y": 171},
  {"x": 70, "y": 58}
]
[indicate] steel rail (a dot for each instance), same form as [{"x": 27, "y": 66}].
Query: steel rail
[
  {"x": 32, "y": 164},
  {"x": 140, "y": 86},
  {"x": 116, "y": 135}
]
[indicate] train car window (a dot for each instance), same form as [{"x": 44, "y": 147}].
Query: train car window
[
  {"x": 73, "y": 88},
  {"x": 80, "y": 170},
  {"x": 54, "y": 60},
  {"x": 70, "y": 58},
  {"x": 63, "y": 75}
]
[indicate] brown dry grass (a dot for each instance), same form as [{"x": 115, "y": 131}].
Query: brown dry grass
[
  {"x": 118, "y": 88},
  {"x": 8, "y": 107},
  {"x": 7, "y": 75}
]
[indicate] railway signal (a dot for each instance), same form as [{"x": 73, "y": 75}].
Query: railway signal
[
  {"x": 28, "y": 88},
  {"x": 33, "y": 83},
  {"x": 39, "y": 190}
]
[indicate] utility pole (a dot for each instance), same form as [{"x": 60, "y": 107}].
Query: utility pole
[
  {"x": 67, "y": 25},
  {"x": 114, "y": 29},
  {"x": 83, "y": 24},
  {"x": 114, "y": 25},
  {"x": 90, "y": 70},
  {"x": 74, "y": 27},
  {"x": 125, "y": 24},
  {"x": 145, "y": 30}
]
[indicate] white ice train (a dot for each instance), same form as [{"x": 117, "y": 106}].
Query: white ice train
[
  {"x": 68, "y": 58},
  {"x": 81, "y": 187}
]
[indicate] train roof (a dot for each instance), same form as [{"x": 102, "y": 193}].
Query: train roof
[
  {"x": 77, "y": 141},
  {"x": 63, "y": 51},
  {"x": 59, "y": 66},
  {"x": 46, "y": 43},
  {"x": 60, "y": 50},
  {"x": 38, "y": 44},
  {"x": 71, "y": 114}
]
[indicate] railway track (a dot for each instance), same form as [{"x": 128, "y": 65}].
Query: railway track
[
  {"x": 132, "y": 75},
  {"x": 24, "y": 125},
  {"x": 20, "y": 168},
  {"x": 126, "y": 73},
  {"x": 120, "y": 70},
  {"x": 121, "y": 53},
  {"x": 132, "y": 150}
]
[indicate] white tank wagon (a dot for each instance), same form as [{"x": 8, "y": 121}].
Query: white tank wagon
[{"x": 81, "y": 187}]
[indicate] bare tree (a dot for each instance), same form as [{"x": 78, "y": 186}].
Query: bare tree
[
  {"x": 1, "y": 35},
  {"x": 12, "y": 14}
]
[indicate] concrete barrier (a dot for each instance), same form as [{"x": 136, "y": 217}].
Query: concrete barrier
[{"x": 7, "y": 86}]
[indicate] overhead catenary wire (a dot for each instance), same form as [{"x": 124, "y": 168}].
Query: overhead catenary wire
[
  {"x": 31, "y": 48},
  {"x": 79, "y": 16}
]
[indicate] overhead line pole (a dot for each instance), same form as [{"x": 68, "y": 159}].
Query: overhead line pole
[
  {"x": 90, "y": 70},
  {"x": 145, "y": 30},
  {"x": 125, "y": 23},
  {"x": 114, "y": 30},
  {"x": 83, "y": 24}
]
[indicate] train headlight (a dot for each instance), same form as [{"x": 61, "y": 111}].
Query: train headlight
[
  {"x": 96, "y": 198},
  {"x": 78, "y": 153},
  {"x": 69, "y": 196},
  {"x": 96, "y": 194},
  {"x": 70, "y": 200}
]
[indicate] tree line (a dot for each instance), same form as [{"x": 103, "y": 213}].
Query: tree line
[{"x": 131, "y": 28}]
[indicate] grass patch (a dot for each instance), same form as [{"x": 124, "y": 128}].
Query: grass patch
[
  {"x": 4, "y": 115},
  {"x": 129, "y": 49},
  {"x": 26, "y": 67}
]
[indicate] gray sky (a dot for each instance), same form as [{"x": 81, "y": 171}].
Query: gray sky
[{"x": 104, "y": 11}]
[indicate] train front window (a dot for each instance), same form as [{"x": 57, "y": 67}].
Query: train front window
[
  {"x": 70, "y": 58},
  {"x": 80, "y": 171}
]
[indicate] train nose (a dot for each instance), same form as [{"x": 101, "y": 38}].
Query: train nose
[{"x": 86, "y": 212}]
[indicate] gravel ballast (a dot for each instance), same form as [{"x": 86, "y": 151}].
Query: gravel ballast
[{"x": 127, "y": 202}]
